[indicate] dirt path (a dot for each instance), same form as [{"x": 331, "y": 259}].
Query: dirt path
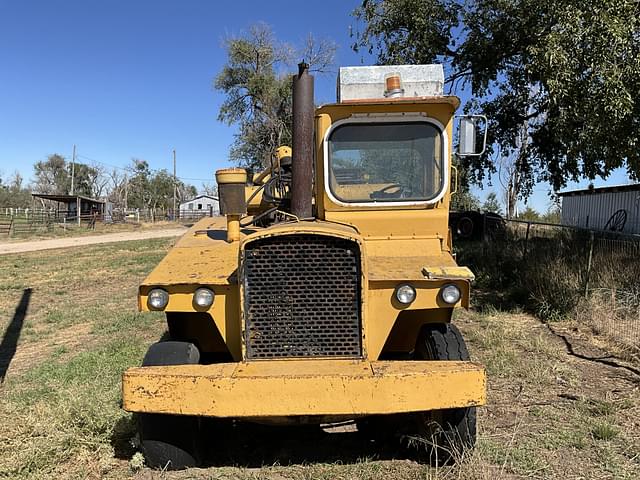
[{"x": 34, "y": 245}]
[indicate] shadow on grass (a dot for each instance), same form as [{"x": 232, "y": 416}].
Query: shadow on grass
[
  {"x": 9, "y": 343},
  {"x": 228, "y": 443},
  {"x": 121, "y": 437}
]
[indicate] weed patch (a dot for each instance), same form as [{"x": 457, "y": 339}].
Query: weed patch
[{"x": 603, "y": 430}]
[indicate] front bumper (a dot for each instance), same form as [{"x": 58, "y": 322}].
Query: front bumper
[{"x": 279, "y": 388}]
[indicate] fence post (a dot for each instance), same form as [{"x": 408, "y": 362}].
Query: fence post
[
  {"x": 526, "y": 242},
  {"x": 586, "y": 282}
]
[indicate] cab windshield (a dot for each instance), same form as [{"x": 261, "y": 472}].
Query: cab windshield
[{"x": 385, "y": 162}]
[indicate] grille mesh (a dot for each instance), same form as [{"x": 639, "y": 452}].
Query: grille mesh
[{"x": 302, "y": 297}]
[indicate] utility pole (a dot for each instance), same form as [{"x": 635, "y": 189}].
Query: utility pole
[
  {"x": 175, "y": 184},
  {"x": 73, "y": 169}
]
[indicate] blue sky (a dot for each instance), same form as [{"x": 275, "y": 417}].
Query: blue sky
[
  {"x": 133, "y": 78},
  {"x": 125, "y": 79}
]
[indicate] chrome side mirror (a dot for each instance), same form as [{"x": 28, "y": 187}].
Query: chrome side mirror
[{"x": 469, "y": 129}]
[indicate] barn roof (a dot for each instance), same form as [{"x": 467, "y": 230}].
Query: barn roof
[
  {"x": 211, "y": 197},
  {"x": 65, "y": 198},
  {"x": 635, "y": 187}
]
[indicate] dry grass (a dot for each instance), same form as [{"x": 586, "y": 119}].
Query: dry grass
[
  {"x": 613, "y": 315},
  {"x": 551, "y": 278},
  {"x": 549, "y": 415},
  {"x": 552, "y": 415}
]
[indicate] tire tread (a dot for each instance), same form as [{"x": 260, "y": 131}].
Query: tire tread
[{"x": 443, "y": 341}]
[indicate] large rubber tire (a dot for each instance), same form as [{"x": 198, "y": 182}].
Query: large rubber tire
[
  {"x": 171, "y": 353},
  {"x": 465, "y": 227},
  {"x": 449, "y": 433},
  {"x": 170, "y": 442}
]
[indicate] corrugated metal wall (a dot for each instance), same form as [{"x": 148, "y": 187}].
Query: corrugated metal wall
[{"x": 593, "y": 210}]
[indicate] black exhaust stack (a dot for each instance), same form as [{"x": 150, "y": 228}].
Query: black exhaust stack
[{"x": 302, "y": 157}]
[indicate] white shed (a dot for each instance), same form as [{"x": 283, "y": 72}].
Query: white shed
[
  {"x": 200, "y": 206},
  {"x": 614, "y": 208}
]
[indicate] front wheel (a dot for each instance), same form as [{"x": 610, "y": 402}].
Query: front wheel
[
  {"x": 170, "y": 442},
  {"x": 445, "y": 435}
]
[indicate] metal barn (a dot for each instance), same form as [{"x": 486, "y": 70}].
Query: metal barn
[
  {"x": 603, "y": 208},
  {"x": 202, "y": 205}
]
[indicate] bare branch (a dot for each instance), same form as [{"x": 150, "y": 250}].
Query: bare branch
[{"x": 319, "y": 54}]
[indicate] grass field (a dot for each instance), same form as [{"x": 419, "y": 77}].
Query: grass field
[{"x": 70, "y": 328}]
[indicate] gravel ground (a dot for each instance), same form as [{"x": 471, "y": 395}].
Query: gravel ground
[{"x": 34, "y": 245}]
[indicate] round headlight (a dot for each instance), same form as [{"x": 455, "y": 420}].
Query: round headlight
[
  {"x": 203, "y": 297},
  {"x": 405, "y": 294},
  {"x": 157, "y": 299},
  {"x": 450, "y": 294}
]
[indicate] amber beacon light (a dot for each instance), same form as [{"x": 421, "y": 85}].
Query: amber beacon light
[{"x": 393, "y": 85}]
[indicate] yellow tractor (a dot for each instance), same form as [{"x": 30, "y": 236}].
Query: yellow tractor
[{"x": 326, "y": 290}]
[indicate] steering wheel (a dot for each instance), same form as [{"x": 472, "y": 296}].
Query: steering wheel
[{"x": 384, "y": 192}]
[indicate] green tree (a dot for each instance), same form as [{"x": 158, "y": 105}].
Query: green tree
[
  {"x": 51, "y": 175},
  {"x": 86, "y": 180},
  {"x": 258, "y": 96},
  {"x": 554, "y": 211},
  {"x": 491, "y": 204},
  {"x": 553, "y": 215},
  {"x": 529, "y": 214},
  {"x": 463, "y": 199},
  {"x": 13, "y": 194},
  {"x": 558, "y": 79},
  {"x": 138, "y": 184},
  {"x": 258, "y": 100},
  {"x": 153, "y": 190},
  {"x": 161, "y": 190}
]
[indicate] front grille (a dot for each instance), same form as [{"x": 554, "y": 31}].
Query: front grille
[{"x": 302, "y": 297}]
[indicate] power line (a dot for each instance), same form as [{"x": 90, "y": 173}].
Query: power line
[
  {"x": 200, "y": 179},
  {"x": 127, "y": 169},
  {"x": 131, "y": 169}
]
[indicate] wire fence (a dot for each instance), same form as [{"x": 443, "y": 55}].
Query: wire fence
[
  {"x": 158, "y": 215},
  {"x": 19, "y": 222},
  {"x": 591, "y": 275}
]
